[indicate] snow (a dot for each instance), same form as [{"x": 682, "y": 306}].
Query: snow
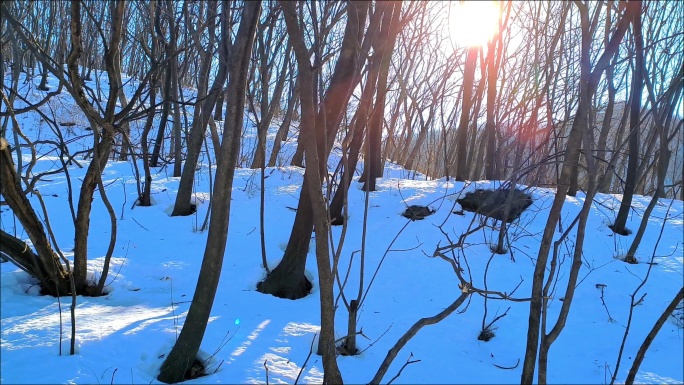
[{"x": 124, "y": 336}]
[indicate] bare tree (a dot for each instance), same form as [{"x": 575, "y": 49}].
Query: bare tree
[
  {"x": 104, "y": 121},
  {"x": 45, "y": 265},
  {"x": 589, "y": 79},
  {"x": 634, "y": 126},
  {"x": 331, "y": 373},
  {"x": 184, "y": 352},
  {"x": 268, "y": 36},
  {"x": 204, "y": 105},
  {"x": 651, "y": 336},
  {"x": 383, "y": 47},
  {"x": 287, "y": 280}
]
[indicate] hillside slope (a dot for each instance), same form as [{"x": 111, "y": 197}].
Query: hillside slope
[{"x": 253, "y": 338}]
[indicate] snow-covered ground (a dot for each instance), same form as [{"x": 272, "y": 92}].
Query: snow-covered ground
[{"x": 124, "y": 336}]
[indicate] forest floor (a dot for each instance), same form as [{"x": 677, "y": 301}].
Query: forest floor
[{"x": 123, "y": 337}]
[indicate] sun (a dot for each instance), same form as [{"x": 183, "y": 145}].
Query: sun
[{"x": 473, "y": 23}]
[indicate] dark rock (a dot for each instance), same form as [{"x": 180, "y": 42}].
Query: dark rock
[
  {"x": 492, "y": 203},
  {"x": 416, "y": 212}
]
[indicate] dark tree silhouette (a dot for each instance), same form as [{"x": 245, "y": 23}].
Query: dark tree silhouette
[{"x": 184, "y": 352}]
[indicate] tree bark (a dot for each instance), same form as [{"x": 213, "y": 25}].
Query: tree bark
[
  {"x": 331, "y": 372},
  {"x": 203, "y": 112},
  {"x": 651, "y": 336},
  {"x": 103, "y": 129},
  {"x": 588, "y": 81},
  {"x": 490, "y": 133},
  {"x": 284, "y": 128},
  {"x": 185, "y": 350},
  {"x": 384, "y": 47},
  {"x": 462, "y": 141},
  {"x": 266, "y": 66},
  {"x": 288, "y": 280},
  {"x": 619, "y": 227},
  {"x": 156, "y": 150},
  {"x": 45, "y": 265}
]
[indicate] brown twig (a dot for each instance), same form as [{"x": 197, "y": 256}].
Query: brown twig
[
  {"x": 378, "y": 339},
  {"x": 301, "y": 370},
  {"x": 407, "y": 363},
  {"x": 465, "y": 285},
  {"x": 602, "y": 287},
  {"x": 508, "y": 367},
  {"x": 413, "y": 330}
]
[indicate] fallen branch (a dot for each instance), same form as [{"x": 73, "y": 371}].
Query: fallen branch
[
  {"x": 407, "y": 363},
  {"x": 413, "y": 330},
  {"x": 651, "y": 336},
  {"x": 508, "y": 367},
  {"x": 307, "y": 359}
]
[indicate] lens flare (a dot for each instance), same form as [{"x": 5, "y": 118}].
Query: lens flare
[{"x": 473, "y": 23}]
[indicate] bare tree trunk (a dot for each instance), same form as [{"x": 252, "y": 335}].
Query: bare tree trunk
[
  {"x": 462, "y": 144},
  {"x": 177, "y": 139},
  {"x": 635, "y": 109},
  {"x": 331, "y": 373},
  {"x": 203, "y": 111},
  {"x": 125, "y": 126},
  {"x": 266, "y": 66},
  {"x": 284, "y": 128},
  {"x": 156, "y": 151},
  {"x": 354, "y": 140},
  {"x": 185, "y": 350},
  {"x": 103, "y": 140},
  {"x": 606, "y": 126},
  {"x": 46, "y": 265},
  {"x": 298, "y": 157},
  {"x": 287, "y": 279},
  {"x": 607, "y": 181},
  {"x": 490, "y": 133},
  {"x": 384, "y": 47},
  {"x": 51, "y": 21},
  {"x": 662, "y": 161},
  {"x": 651, "y": 336},
  {"x": 145, "y": 198},
  {"x": 588, "y": 82}
]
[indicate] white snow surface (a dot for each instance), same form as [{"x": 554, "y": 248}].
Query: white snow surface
[{"x": 123, "y": 337}]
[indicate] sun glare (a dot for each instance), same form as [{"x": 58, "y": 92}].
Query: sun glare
[{"x": 473, "y": 23}]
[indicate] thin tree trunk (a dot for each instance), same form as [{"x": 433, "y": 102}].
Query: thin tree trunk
[
  {"x": 331, "y": 373},
  {"x": 156, "y": 151},
  {"x": 641, "y": 353},
  {"x": 103, "y": 140},
  {"x": 185, "y": 350},
  {"x": 284, "y": 128},
  {"x": 46, "y": 265},
  {"x": 462, "y": 144},
  {"x": 203, "y": 113},
  {"x": 288, "y": 280},
  {"x": 619, "y": 226},
  {"x": 588, "y": 82},
  {"x": 490, "y": 134},
  {"x": 374, "y": 163}
]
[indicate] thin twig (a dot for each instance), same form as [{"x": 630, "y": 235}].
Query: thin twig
[
  {"x": 602, "y": 287},
  {"x": 407, "y": 363},
  {"x": 377, "y": 339},
  {"x": 72, "y": 348},
  {"x": 508, "y": 367},
  {"x": 144, "y": 228},
  {"x": 301, "y": 370}
]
